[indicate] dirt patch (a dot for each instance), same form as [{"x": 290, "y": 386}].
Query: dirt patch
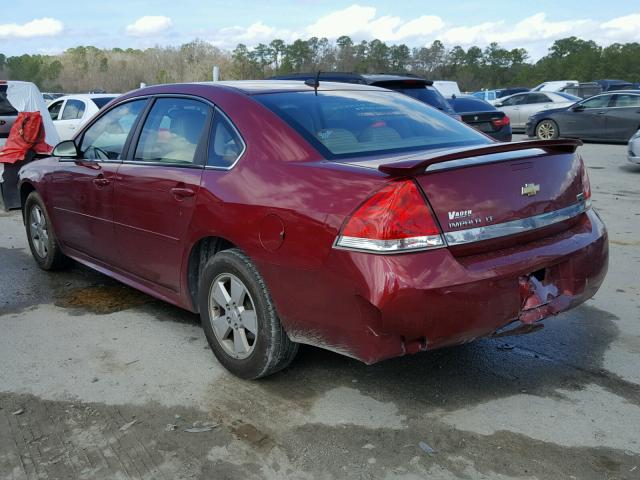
[
  {"x": 103, "y": 299},
  {"x": 625, "y": 243}
]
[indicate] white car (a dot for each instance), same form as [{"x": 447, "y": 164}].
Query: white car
[
  {"x": 448, "y": 88},
  {"x": 70, "y": 112},
  {"x": 634, "y": 148},
  {"x": 521, "y": 106}
]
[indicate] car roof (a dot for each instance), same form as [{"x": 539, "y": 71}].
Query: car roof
[
  {"x": 254, "y": 87},
  {"x": 88, "y": 96}
]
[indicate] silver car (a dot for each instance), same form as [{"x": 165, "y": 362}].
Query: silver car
[
  {"x": 634, "y": 148},
  {"x": 521, "y": 106}
]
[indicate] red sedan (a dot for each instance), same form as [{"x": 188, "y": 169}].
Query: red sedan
[{"x": 343, "y": 216}]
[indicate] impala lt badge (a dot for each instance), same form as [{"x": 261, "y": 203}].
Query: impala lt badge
[{"x": 530, "y": 189}]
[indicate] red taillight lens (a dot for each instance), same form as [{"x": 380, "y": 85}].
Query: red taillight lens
[
  {"x": 586, "y": 184},
  {"x": 394, "y": 219},
  {"x": 501, "y": 122}
]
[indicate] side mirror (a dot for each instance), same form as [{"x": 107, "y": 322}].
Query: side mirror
[
  {"x": 66, "y": 149},
  {"x": 577, "y": 108},
  {"x": 497, "y": 104}
]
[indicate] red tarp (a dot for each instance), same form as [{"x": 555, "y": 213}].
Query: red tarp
[{"x": 27, "y": 133}]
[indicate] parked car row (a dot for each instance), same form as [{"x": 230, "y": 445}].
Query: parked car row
[{"x": 70, "y": 112}]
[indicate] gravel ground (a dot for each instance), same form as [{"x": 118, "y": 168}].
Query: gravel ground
[{"x": 98, "y": 381}]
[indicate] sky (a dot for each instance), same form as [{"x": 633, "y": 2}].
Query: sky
[{"x": 38, "y": 26}]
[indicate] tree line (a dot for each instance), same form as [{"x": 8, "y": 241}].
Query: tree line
[{"x": 86, "y": 68}]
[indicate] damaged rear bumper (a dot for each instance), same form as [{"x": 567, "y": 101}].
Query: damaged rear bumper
[{"x": 409, "y": 303}]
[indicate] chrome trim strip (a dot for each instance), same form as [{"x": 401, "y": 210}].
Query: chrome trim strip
[
  {"x": 489, "y": 232},
  {"x": 402, "y": 245}
]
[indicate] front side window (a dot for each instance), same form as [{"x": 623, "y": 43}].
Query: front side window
[
  {"x": 172, "y": 131},
  {"x": 225, "y": 145},
  {"x": 597, "y": 102},
  {"x": 73, "y": 110},
  {"x": 627, "y": 100},
  {"x": 105, "y": 138},
  {"x": 54, "y": 109},
  {"x": 352, "y": 123}
]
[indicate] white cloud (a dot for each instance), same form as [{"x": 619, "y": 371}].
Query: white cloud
[
  {"x": 149, "y": 25},
  {"x": 39, "y": 27},
  {"x": 623, "y": 29},
  {"x": 362, "y": 23},
  {"x": 536, "y": 32}
]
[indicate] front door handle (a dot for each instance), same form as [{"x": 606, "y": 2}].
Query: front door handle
[
  {"x": 601, "y": 113},
  {"x": 182, "y": 192},
  {"x": 100, "y": 181}
]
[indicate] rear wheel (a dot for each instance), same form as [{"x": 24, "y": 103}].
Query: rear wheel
[
  {"x": 239, "y": 318},
  {"x": 42, "y": 240},
  {"x": 547, "y": 130}
]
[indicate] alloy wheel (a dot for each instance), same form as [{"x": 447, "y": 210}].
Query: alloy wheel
[
  {"x": 39, "y": 231},
  {"x": 233, "y": 316},
  {"x": 546, "y": 131}
]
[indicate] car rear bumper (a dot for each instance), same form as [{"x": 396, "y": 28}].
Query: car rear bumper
[
  {"x": 383, "y": 306},
  {"x": 633, "y": 154}
]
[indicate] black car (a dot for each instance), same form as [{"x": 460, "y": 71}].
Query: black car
[
  {"x": 611, "y": 117},
  {"x": 483, "y": 116},
  {"x": 414, "y": 86},
  {"x": 610, "y": 85}
]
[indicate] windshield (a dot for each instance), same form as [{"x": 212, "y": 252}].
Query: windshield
[
  {"x": 5, "y": 107},
  {"x": 356, "y": 123}
]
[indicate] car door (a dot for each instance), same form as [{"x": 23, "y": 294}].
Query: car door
[
  {"x": 511, "y": 106},
  {"x": 533, "y": 103},
  {"x": 622, "y": 119},
  {"x": 586, "y": 119},
  {"x": 81, "y": 190},
  {"x": 156, "y": 190},
  {"x": 70, "y": 118}
]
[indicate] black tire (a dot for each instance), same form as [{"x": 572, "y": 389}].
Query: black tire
[
  {"x": 271, "y": 349},
  {"x": 50, "y": 257},
  {"x": 547, "y": 130}
]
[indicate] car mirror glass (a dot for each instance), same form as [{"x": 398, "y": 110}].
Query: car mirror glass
[
  {"x": 577, "y": 108},
  {"x": 66, "y": 149}
]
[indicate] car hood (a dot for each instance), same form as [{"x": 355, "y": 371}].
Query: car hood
[{"x": 549, "y": 111}]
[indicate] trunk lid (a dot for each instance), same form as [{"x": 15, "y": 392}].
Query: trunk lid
[
  {"x": 483, "y": 121},
  {"x": 497, "y": 191}
]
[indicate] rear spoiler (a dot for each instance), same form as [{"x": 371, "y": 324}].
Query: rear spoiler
[{"x": 417, "y": 166}]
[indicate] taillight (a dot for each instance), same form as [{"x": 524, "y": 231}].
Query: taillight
[
  {"x": 395, "y": 219},
  {"x": 586, "y": 184},
  {"x": 501, "y": 122}
]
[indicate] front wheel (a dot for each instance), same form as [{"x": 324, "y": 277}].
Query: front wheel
[
  {"x": 42, "y": 240},
  {"x": 547, "y": 130},
  {"x": 239, "y": 318}
]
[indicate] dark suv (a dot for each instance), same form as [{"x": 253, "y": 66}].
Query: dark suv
[
  {"x": 8, "y": 114},
  {"x": 414, "y": 86}
]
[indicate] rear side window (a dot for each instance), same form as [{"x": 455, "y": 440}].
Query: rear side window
[
  {"x": 73, "y": 110},
  {"x": 101, "y": 101},
  {"x": 537, "y": 98},
  {"x": 515, "y": 100},
  {"x": 105, "y": 138},
  {"x": 225, "y": 144},
  {"x": 6, "y": 108},
  {"x": 172, "y": 131},
  {"x": 352, "y": 123},
  {"x": 627, "y": 100}
]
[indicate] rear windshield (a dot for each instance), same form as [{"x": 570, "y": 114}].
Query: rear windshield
[
  {"x": 430, "y": 96},
  {"x": 461, "y": 105},
  {"x": 356, "y": 123},
  {"x": 6, "y": 108},
  {"x": 102, "y": 101}
]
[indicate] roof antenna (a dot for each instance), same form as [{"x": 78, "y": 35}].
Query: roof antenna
[{"x": 315, "y": 83}]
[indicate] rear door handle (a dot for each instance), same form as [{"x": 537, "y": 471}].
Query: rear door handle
[{"x": 182, "y": 192}]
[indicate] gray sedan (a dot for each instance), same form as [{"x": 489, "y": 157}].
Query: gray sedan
[
  {"x": 634, "y": 148},
  {"x": 613, "y": 117},
  {"x": 521, "y": 106}
]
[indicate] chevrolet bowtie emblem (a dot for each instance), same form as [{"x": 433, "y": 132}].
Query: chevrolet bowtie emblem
[{"x": 530, "y": 189}]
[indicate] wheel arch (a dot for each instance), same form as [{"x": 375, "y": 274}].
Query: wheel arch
[
  {"x": 201, "y": 251},
  {"x": 26, "y": 187}
]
